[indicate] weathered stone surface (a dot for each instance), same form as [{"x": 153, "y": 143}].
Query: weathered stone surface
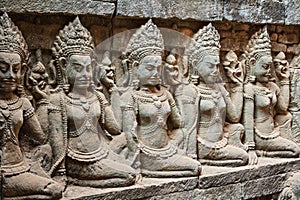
[
  {"x": 277, "y": 47},
  {"x": 264, "y": 186},
  {"x": 230, "y": 192},
  {"x": 147, "y": 188},
  {"x": 266, "y": 167},
  {"x": 210, "y": 10},
  {"x": 215, "y": 183},
  {"x": 79, "y": 7},
  {"x": 255, "y": 11},
  {"x": 291, "y": 38},
  {"x": 292, "y": 12}
]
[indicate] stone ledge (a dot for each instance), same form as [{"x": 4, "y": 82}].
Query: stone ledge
[
  {"x": 147, "y": 188},
  {"x": 211, "y": 10},
  {"x": 218, "y": 176},
  {"x": 74, "y": 7},
  {"x": 246, "y": 182}
]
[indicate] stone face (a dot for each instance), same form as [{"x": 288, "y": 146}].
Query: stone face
[
  {"x": 254, "y": 11},
  {"x": 59, "y": 7},
  {"x": 210, "y": 10}
]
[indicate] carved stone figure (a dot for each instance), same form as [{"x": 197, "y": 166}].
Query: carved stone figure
[
  {"x": 17, "y": 118},
  {"x": 292, "y": 188},
  {"x": 80, "y": 120},
  {"x": 151, "y": 118},
  {"x": 264, "y": 100},
  {"x": 295, "y": 97},
  {"x": 215, "y": 141}
]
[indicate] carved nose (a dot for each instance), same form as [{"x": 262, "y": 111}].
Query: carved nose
[{"x": 10, "y": 74}]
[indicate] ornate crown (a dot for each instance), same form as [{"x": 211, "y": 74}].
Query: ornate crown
[
  {"x": 73, "y": 39},
  {"x": 206, "y": 41},
  {"x": 11, "y": 38},
  {"x": 259, "y": 45},
  {"x": 146, "y": 41}
]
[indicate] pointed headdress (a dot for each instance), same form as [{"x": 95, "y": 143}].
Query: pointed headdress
[
  {"x": 147, "y": 40},
  {"x": 204, "y": 42},
  {"x": 11, "y": 38},
  {"x": 73, "y": 39}
]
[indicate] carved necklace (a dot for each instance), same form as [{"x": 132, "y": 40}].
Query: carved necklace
[
  {"x": 84, "y": 102},
  {"x": 266, "y": 92},
  {"x": 207, "y": 93},
  {"x": 8, "y": 107},
  {"x": 156, "y": 100}
]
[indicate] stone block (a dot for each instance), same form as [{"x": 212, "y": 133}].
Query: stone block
[
  {"x": 274, "y": 37},
  {"x": 147, "y": 188},
  {"x": 277, "y": 47},
  {"x": 293, "y": 49},
  {"x": 74, "y": 7},
  {"x": 266, "y": 167},
  {"x": 99, "y": 33},
  {"x": 241, "y": 27},
  {"x": 290, "y": 38},
  {"x": 224, "y": 25},
  {"x": 264, "y": 186},
  {"x": 39, "y": 36},
  {"x": 254, "y": 11},
  {"x": 292, "y": 12},
  {"x": 210, "y": 10}
]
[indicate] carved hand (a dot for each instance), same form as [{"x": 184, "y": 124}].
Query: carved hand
[
  {"x": 252, "y": 157},
  {"x": 282, "y": 71},
  {"x": 234, "y": 72},
  {"x": 36, "y": 91}
]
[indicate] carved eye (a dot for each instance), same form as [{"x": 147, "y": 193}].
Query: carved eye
[
  {"x": 16, "y": 68},
  {"x": 3, "y": 67}
]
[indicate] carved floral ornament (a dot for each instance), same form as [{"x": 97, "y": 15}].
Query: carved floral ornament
[{"x": 155, "y": 109}]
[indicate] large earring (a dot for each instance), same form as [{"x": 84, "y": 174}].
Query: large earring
[{"x": 20, "y": 90}]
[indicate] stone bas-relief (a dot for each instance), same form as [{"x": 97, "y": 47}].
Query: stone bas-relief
[
  {"x": 94, "y": 132},
  {"x": 216, "y": 143},
  {"x": 151, "y": 119},
  {"x": 18, "y": 119},
  {"x": 80, "y": 121},
  {"x": 266, "y": 103}
]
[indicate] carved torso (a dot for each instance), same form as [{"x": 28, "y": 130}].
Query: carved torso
[
  {"x": 85, "y": 143},
  {"x": 13, "y": 113},
  {"x": 212, "y": 115},
  {"x": 265, "y": 101},
  {"x": 153, "y": 112}
]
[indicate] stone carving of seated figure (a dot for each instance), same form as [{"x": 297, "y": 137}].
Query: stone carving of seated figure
[
  {"x": 204, "y": 107},
  {"x": 16, "y": 116},
  {"x": 264, "y": 100},
  {"x": 80, "y": 119},
  {"x": 151, "y": 118}
]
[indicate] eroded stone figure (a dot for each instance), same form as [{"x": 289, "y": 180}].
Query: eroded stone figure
[
  {"x": 80, "y": 120},
  {"x": 214, "y": 141},
  {"x": 295, "y": 97},
  {"x": 264, "y": 100},
  {"x": 291, "y": 190},
  {"x": 17, "y": 118},
  {"x": 151, "y": 118}
]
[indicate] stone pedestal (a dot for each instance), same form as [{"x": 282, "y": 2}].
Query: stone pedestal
[{"x": 246, "y": 182}]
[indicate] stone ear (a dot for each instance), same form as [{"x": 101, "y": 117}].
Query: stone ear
[
  {"x": 194, "y": 63},
  {"x": 135, "y": 64},
  {"x": 62, "y": 62},
  {"x": 252, "y": 62},
  {"x": 23, "y": 68}
]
